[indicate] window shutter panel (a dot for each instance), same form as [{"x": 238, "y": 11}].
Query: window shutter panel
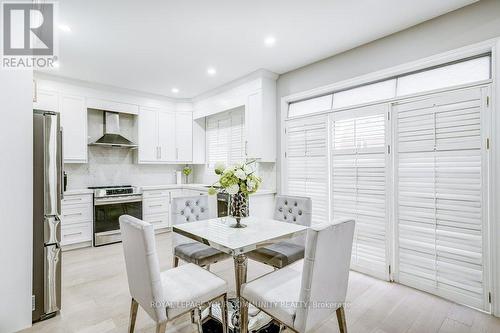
[
  {"x": 225, "y": 138},
  {"x": 237, "y": 152},
  {"x": 307, "y": 163},
  {"x": 359, "y": 178},
  {"x": 439, "y": 202}
]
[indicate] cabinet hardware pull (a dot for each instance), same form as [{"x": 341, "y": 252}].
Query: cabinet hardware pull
[
  {"x": 151, "y": 206},
  {"x": 73, "y": 214},
  {"x": 73, "y": 234}
]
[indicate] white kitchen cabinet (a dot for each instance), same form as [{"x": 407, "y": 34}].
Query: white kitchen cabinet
[
  {"x": 76, "y": 221},
  {"x": 45, "y": 100},
  {"x": 156, "y": 208},
  {"x": 103, "y": 104},
  {"x": 164, "y": 136},
  {"x": 73, "y": 113},
  {"x": 74, "y": 123},
  {"x": 260, "y": 123},
  {"x": 184, "y": 136},
  {"x": 156, "y": 205},
  {"x": 199, "y": 141},
  {"x": 258, "y": 98},
  {"x": 148, "y": 136}
]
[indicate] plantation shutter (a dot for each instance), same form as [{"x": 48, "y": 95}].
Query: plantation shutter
[
  {"x": 225, "y": 138},
  {"x": 359, "y": 181},
  {"x": 237, "y": 141},
  {"x": 440, "y": 208},
  {"x": 307, "y": 163}
]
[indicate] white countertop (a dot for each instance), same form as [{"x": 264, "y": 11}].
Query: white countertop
[
  {"x": 201, "y": 187},
  {"x": 78, "y": 191},
  {"x": 198, "y": 187}
]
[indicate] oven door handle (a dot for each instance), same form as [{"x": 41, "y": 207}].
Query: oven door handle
[{"x": 112, "y": 202}]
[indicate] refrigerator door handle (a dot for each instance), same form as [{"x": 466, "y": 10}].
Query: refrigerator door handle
[
  {"x": 52, "y": 280},
  {"x": 61, "y": 166},
  {"x": 51, "y": 163},
  {"x": 52, "y": 230}
]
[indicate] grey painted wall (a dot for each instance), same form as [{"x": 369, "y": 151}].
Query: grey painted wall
[
  {"x": 469, "y": 25},
  {"x": 465, "y": 26}
]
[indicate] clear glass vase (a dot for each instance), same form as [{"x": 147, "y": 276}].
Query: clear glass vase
[{"x": 239, "y": 208}]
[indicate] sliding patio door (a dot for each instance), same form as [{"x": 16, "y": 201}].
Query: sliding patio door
[
  {"x": 360, "y": 171},
  {"x": 307, "y": 163},
  {"x": 441, "y": 191}
]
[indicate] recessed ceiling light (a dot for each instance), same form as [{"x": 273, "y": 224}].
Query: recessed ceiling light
[
  {"x": 175, "y": 90},
  {"x": 64, "y": 27},
  {"x": 211, "y": 71},
  {"x": 269, "y": 41}
]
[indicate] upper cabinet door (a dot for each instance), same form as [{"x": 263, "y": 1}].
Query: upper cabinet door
[
  {"x": 184, "y": 136},
  {"x": 74, "y": 123},
  {"x": 148, "y": 136},
  {"x": 253, "y": 126},
  {"x": 166, "y": 136},
  {"x": 46, "y": 100},
  {"x": 149, "y": 150}
]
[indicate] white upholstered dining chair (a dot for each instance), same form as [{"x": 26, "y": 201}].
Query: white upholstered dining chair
[
  {"x": 304, "y": 294},
  {"x": 169, "y": 294},
  {"x": 291, "y": 209},
  {"x": 192, "y": 209}
]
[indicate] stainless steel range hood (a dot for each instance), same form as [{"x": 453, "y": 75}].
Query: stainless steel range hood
[{"x": 112, "y": 136}]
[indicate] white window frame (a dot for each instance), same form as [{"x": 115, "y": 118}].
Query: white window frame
[{"x": 489, "y": 46}]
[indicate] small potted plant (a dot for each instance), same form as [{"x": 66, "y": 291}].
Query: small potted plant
[
  {"x": 238, "y": 181},
  {"x": 186, "y": 171}
]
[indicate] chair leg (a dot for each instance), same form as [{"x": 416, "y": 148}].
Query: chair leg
[
  {"x": 134, "y": 306},
  {"x": 193, "y": 314},
  {"x": 341, "y": 320},
  {"x": 198, "y": 320},
  {"x": 161, "y": 328},
  {"x": 176, "y": 262},
  {"x": 223, "y": 313},
  {"x": 243, "y": 315}
]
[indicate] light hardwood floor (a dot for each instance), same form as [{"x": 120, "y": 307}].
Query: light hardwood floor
[{"x": 96, "y": 300}]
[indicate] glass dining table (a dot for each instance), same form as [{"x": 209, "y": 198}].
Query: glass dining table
[{"x": 260, "y": 232}]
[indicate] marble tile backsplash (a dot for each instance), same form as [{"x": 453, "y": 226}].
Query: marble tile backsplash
[{"x": 110, "y": 166}]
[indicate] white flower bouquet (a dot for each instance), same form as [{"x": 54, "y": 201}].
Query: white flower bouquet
[
  {"x": 238, "y": 181},
  {"x": 239, "y": 178}
]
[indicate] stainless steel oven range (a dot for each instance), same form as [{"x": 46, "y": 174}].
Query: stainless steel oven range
[{"x": 111, "y": 202}]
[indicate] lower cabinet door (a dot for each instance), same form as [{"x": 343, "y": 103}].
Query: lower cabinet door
[
  {"x": 158, "y": 221},
  {"x": 155, "y": 206},
  {"x": 76, "y": 233}
]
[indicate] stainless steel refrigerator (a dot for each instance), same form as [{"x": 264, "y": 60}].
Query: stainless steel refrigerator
[{"x": 47, "y": 195}]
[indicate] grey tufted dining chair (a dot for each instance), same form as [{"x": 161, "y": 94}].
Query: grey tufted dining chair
[
  {"x": 186, "y": 210},
  {"x": 290, "y": 209}
]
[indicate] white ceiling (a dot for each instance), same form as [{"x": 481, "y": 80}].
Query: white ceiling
[{"x": 153, "y": 46}]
